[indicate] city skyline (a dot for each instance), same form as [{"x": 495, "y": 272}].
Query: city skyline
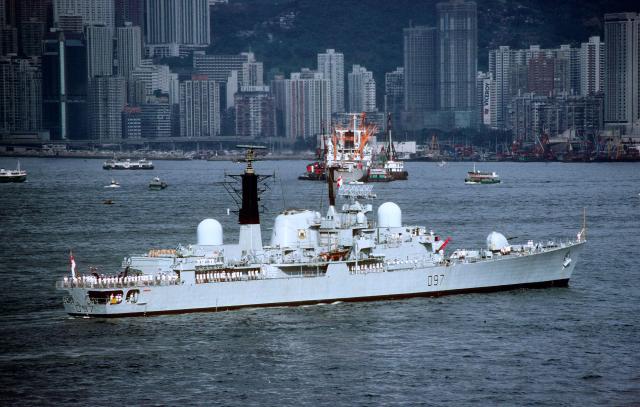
[{"x": 442, "y": 87}]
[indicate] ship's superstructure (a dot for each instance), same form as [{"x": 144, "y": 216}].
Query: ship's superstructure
[
  {"x": 348, "y": 151},
  {"x": 344, "y": 255}
]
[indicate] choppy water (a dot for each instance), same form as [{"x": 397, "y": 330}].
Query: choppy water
[{"x": 575, "y": 346}]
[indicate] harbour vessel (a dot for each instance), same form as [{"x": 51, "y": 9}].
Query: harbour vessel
[
  {"x": 113, "y": 184},
  {"x": 481, "y": 177},
  {"x": 315, "y": 171},
  {"x": 347, "y": 150},
  {"x": 115, "y": 164},
  {"x": 17, "y": 175},
  {"x": 310, "y": 259},
  {"x": 393, "y": 166},
  {"x": 157, "y": 184}
]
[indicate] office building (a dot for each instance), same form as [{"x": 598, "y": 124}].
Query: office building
[
  {"x": 107, "y": 98},
  {"x": 131, "y": 122},
  {"x": 20, "y": 95},
  {"x": 99, "y": 50},
  {"x": 93, "y": 12},
  {"x": 131, "y": 11},
  {"x": 64, "y": 86},
  {"x": 331, "y": 65},
  {"x": 129, "y": 49}
]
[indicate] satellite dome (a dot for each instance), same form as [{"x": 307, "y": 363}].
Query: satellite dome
[
  {"x": 496, "y": 242},
  {"x": 209, "y": 233},
  {"x": 389, "y": 215}
]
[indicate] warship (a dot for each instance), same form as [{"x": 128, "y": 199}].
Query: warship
[{"x": 310, "y": 259}]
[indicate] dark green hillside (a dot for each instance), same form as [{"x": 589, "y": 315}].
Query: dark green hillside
[{"x": 287, "y": 34}]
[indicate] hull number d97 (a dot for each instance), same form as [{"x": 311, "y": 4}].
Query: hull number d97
[{"x": 436, "y": 279}]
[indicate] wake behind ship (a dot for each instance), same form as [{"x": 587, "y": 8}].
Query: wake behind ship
[{"x": 310, "y": 259}]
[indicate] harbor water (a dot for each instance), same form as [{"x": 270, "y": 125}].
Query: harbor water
[{"x": 561, "y": 346}]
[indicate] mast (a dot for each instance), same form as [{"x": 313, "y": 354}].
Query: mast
[{"x": 249, "y": 214}]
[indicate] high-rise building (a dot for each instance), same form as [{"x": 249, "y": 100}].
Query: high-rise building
[
  {"x": 31, "y": 36},
  {"x": 147, "y": 79},
  {"x": 93, "y": 12},
  {"x": 129, "y": 11},
  {"x": 303, "y": 104},
  {"x": 457, "y": 55},
  {"x": 394, "y": 94},
  {"x": 99, "y": 50},
  {"x": 484, "y": 85},
  {"x": 331, "y": 65},
  {"x": 219, "y": 67},
  {"x": 199, "y": 107},
  {"x": 73, "y": 24},
  {"x": 592, "y": 66},
  {"x": 9, "y": 40},
  {"x": 252, "y": 73},
  {"x": 255, "y": 113},
  {"x": 183, "y": 22},
  {"x": 362, "y": 90},
  {"x": 129, "y": 46},
  {"x": 622, "y": 65},
  {"x": 20, "y": 95},
  {"x": 64, "y": 86},
  {"x": 107, "y": 98},
  {"x": 156, "y": 120},
  {"x": 420, "y": 69},
  {"x": 541, "y": 75},
  {"x": 536, "y": 116},
  {"x": 131, "y": 122}
]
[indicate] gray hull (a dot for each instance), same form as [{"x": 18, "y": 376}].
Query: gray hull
[{"x": 340, "y": 283}]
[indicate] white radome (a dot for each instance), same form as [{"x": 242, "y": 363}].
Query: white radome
[
  {"x": 389, "y": 215},
  {"x": 496, "y": 242},
  {"x": 209, "y": 233}
]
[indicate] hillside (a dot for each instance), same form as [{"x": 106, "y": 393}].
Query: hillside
[{"x": 287, "y": 34}]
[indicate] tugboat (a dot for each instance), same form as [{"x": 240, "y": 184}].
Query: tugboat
[
  {"x": 480, "y": 177},
  {"x": 314, "y": 172},
  {"x": 16, "y": 175},
  {"x": 342, "y": 256},
  {"x": 127, "y": 164},
  {"x": 157, "y": 184},
  {"x": 394, "y": 167}
]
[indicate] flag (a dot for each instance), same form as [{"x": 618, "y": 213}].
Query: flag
[
  {"x": 73, "y": 265},
  {"x": 339, "y": 182}
]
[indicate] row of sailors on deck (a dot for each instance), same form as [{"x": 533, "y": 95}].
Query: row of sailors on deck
[
  {"x": 143, "y": 279},
  {"x": 228, "y": 276},
  {"x": 367, "y": 268}
]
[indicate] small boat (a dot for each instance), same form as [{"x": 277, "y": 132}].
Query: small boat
[
  {"x": 442, "y": 164},
  {"x": 16, "y": 175},
  {"x": 113, "y": 184},
  {"x": 108, "y": 202},
  {"x": 481, "y": 177},
  {"x": 157, "y": 184},
  {"x": 379, "y": 175},
  {"x": 314, "y": 172}
]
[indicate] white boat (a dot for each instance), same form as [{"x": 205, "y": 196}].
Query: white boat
[
  {"x": 17, "y": 175},
  {"x": 113, "y": 184}
]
